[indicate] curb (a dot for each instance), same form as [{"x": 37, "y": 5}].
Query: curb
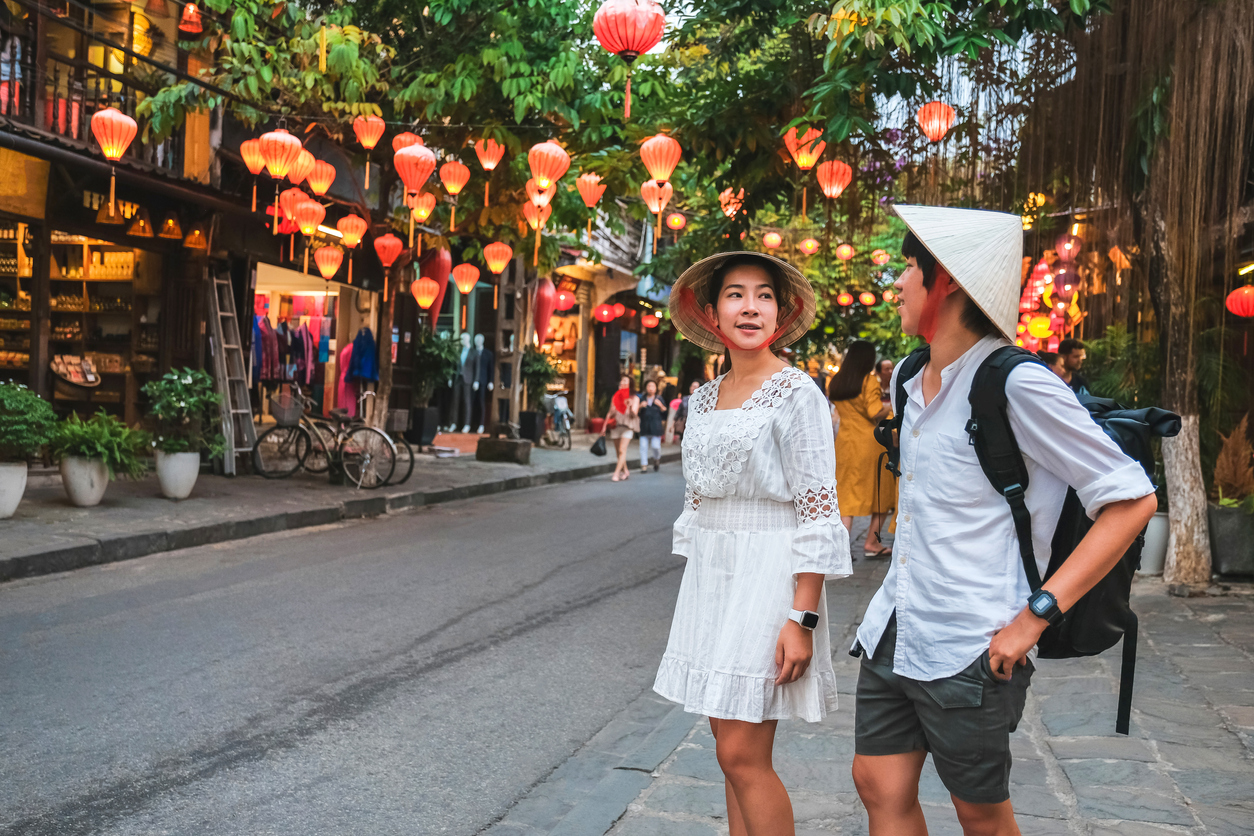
[{"x": 129, "y": 546}]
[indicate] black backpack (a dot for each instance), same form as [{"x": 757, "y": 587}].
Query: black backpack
[{"x": 1103, "y": 615}]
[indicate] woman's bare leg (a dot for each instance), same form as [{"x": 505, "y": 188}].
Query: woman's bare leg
[
  {"x": 744, "y": 755},
  {"x": 735, "y": 821}
]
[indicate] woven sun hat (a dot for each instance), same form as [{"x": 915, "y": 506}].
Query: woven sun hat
[
  {"x": 691, "y": 294},
  {"x": 982, "y": 250}
]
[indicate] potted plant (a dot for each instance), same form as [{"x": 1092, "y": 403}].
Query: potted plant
[
  {"x": 184, "y": 410},
  {"x": 436, "y": 360},
  {"x": 1231, "y": 518},
  {"x": 537, "y": 372},
  {"x": 94, "y": 451},
  {"x": 26, "y": 424}
]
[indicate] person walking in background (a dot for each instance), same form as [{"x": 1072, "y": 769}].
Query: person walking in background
[
  {"x": 760, "y": 529},
  {"x": 1071, "y": 353},
  {"x": 652, "y": 414},
  {"x": 1054, "y": 362},
  {"x": 855, "y": 391},
  {"x": 884, "y": 371},
  {"x": 623, "y": 414}
]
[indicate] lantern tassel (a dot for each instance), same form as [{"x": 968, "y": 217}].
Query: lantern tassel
[
  {"x": 306, "y": 256},
  {"x": 589, "y": 233},
  {"x": 411, "y": 229},
  {"x": 659, "y": 231},
  {"x": 535, "y": 262},
  {"x": 627, "y": 99},
  {"x": 274, "y": 224},
  {"x": 803, "y": 201},
  {"x": 291, "y": 251},
  {"x": 367, "y": 187},
  {"x": 350, "y": 268},
  {"x": 418, "y": 247},
  {"x": 322, "y": 50},
  {"x": 452, "y": 219},
  {"x": 486, "y": 186},
  {"x": 254, "y": 195},
  {"x": 113, "y": 179},
  {"x": 496, "y": 293}
]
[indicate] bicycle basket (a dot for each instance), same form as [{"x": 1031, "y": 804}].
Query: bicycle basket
[{"x": 286, "y": 410}]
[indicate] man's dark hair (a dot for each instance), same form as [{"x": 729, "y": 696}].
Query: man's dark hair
[
  {"x": 879, "y": 364},
  {"x": 1069, "y": 345},
  {"x": 1049, "y": 358},
  {"x": 858, "y": 363},
  {"x": 973, "y": 319}
]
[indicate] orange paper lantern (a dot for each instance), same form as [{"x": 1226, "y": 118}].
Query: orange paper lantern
[
  {"x": 489, "y": 152},
  {"x": 250, "y": 152},
  {"x": 352, "y": 227},
  {"x": 730, "y": 202},
  {"x": 191, "y": 22},
  {"x": 454, "y": 175},
  {"x": 497, "y": 255},
  {"x": 660, "y": 155},
  {"x": 301, "y": 167},
  {"x": 772, "y": 240},
  {"x": 465, "y": 276},
  {"x": 844, "y": 252},
  {"x": 414, "y": 164},
  {"x": 880, "y": 257},
  {"x": 935, "y": 118},
  {"x": 321, "y": 178},
  {"x": 655, "y": 196},
  {"x": 806, "y": 151},
  {"x": 369, "y": 130},
  {"x": 590, "y": 188},
  {"x": 280, "y": 149},
  {"x": 309, "y": 214},
  {"x": 548, "y": 162},
  {"x": 676, "y": 221},
  {"x": 867, "y": 298},
  {"x": 536, "y": 216},
  {"x": 629, "y": 28},
  {"x": 888, "y": 295},
  {"x": 405, "y": 139},
  {"x": 421, "y": 205},
  {"x": 328, "y": 260},
  {"x": 388, "y": 248},
  {"x": 649, "y": 320},
  {"x": 425, "y": 291},
  {"x": 834, "y": 176},
  {"x": 844, "y": 299},
  {"x": 289, "y": 199},
  {"x": 114, "y": 130},
  {"x": 539, "y": 196},
  {"x": 809, "y": 246}
]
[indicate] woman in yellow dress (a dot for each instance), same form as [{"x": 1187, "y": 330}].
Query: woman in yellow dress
[{"x": 855, "y": 391}]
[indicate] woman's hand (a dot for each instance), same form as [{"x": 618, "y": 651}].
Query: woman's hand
[{"x": 793, "y": 652}]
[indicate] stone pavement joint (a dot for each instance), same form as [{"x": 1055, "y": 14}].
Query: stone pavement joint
[{"x": 48, "y": 535}]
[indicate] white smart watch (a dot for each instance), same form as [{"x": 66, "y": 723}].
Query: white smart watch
[{"x": 806, "y": 618}]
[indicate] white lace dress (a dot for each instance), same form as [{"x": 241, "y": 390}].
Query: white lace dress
[{"x": 760, "y": 508}]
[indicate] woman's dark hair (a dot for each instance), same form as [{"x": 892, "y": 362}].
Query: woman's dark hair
[
  {"x": 858, "y": 363},
  {"x": 715, "y": 286},
  {"x": 973, "y": 319}
]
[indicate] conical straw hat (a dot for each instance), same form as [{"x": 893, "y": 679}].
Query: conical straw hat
[{"x": 982, "y": 250}]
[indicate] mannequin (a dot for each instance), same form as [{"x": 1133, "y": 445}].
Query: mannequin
[
  {"x": 463, "y": 385},
  {"x": 483, "y": 383}
]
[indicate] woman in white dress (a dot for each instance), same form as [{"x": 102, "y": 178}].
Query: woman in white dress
[{"x": 760, "y": 528}]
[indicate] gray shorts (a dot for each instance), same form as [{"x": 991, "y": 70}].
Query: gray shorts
[{"x": 964, "y": 720}]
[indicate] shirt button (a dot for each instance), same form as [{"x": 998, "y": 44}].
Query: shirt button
[
  {"x": 902, "y": 560},
  {"x": 905, "y": 518},
  {"x": 915, "y": 433},
  {"x": 909, "y": 477}
]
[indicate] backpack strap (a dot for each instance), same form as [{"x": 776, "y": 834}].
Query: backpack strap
[
  {"x": 1127, "y": 673},
  {"x": 995, "y": 446},
  {"x": 887, "y": 433}
]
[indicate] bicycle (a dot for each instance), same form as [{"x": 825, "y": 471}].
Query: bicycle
[
  {"x": 404, "y": 451},
  {"x": 367, "y": 456},
  {"x": 558, "y": 433}
]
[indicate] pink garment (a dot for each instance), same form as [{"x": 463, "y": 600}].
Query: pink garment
[
  {"x": 310, "y": 353},
  {"x": 346, "y": 397}
]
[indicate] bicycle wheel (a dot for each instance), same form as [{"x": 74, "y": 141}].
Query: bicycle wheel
[
  {"x": 280, "y": 451},
  {"x": 322, "y": 438},
  {"x": 404, "y": 461},
  {"x": 565, "y": 439},
  {"x": 369, "y": 457}
]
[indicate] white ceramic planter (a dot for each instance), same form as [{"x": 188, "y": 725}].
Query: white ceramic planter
[
  {"x": 1154, "y": 555},
  {"x": 84, "y": 479},
  {"x": 177, "y": 473},
  {"x": 12, "y": 486}
]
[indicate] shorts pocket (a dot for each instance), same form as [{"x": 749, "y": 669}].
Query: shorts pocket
[{"x": 962, "y": 690}]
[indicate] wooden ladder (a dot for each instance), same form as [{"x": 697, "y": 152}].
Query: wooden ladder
[{"x": 230, "y": 372}]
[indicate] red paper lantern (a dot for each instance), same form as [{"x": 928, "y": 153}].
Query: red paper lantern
[
  {"x": 844, "y": 252},
  {"x": 809, "y": 246},
  {"x": 328, "y": 260},
  {"x": 388, "y": 248},
  {"x": 465, "y": 276},
  {"x": 280, "y": 149},
  {"x": 352, "y": 227},
  {"x": 730, "y": 202},
  {"x": 565, "y": 300},
  {"x": 935, "y": 119},
  {"x": 542, "y": 306},
  {"x": 191, "y": 22},
  {"x": 301, "y": 167},
  {"x": 497, "y": 255},
  {"x": 660, "y": 154},
  {"x": 676, "y": 221},
  {"x": 437, "y": 265},
  {"x": 369, "y": 129},
  {"x": 548, "y": 162},
  {"x": 321, "y": 178},
  {"x": 414, "y": 164},
  {"x": 880, "y": 257},
  {"x": 807, "y": 150},
  {"x": 421, "y": 205},
  {"x": 539, "y": 196},
  {"x": 772, "y": 240},
  {"x": 629, "y": 28},
  {"x": 1241, "y": 301},
  {"x": 405, "y": 139},
  {"x": 590, "y": 188},
  {"x": 888, "y": 295},
  {"x": 655, "y": 196},
  {"x": 425, "y": 291},
  {"x": 650, "y": 320},
  {"x": 867, "y": 298},
  {"x": 834, "y": 177},
  {"x": 619, "y": 309},
  {"x": 844, "y": 299},
  {"x": 309, "y": 213},
  {"x": 603, "y": 313}
]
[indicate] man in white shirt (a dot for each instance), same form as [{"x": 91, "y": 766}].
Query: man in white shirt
[{"x": 948, "y": 641}]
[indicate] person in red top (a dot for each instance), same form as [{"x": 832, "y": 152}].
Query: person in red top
[{"x": 623, "y": 414}]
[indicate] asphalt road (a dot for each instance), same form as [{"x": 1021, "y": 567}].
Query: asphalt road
[{"x": 408, "y": 675}]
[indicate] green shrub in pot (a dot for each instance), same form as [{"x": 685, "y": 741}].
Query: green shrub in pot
[
  {"x": 184, "y": 408},
  {"x": 26, "y": 424},
  {"x": 102, "y": 437}
]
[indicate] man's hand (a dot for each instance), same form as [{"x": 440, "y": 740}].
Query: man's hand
[
  {"x": 1011, "y": 644},
  {"x": 793, "y": 652}
]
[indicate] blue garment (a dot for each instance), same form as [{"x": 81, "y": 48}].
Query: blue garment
[
  {"x": 258, "y": 359},
  {"x": 324, "y": 348},
  {"x": 364, "y": 364}
]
